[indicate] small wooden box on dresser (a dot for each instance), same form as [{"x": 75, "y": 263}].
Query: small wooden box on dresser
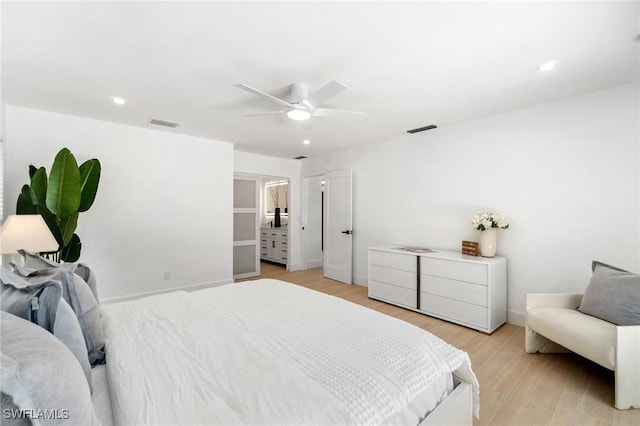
[
  {"x": 274, "y": 244},
  {"x": 467, "y": 290}
]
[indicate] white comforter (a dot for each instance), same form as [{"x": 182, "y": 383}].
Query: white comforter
[{"x": 266, "y": 352}]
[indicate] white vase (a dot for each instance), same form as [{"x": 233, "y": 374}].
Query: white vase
[{"x": 488, "y": 242}]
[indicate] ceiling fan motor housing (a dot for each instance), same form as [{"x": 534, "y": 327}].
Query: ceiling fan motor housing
[{"x": 299, "y": 92}]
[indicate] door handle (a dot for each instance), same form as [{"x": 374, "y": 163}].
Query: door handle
[{"x": 348, "y": 232}]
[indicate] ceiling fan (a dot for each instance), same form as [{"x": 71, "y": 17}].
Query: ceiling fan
[{"x": 304, "y": 106}]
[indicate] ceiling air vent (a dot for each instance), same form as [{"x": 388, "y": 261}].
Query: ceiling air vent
[
  {"x": 300, "y": 157},
  {"x": 163, "y": 123},
  {"x": 422, "y": 129}
]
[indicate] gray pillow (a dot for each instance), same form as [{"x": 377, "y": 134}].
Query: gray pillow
[
  {"x": 36, "y": 262},
  {"x": 613, "y": 295},
  {"x": 40, "y": 373},
  {"x": 78, "y": 295},
  {"x": 53, "y": 313}
]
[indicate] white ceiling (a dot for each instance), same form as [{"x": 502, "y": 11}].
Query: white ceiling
[{"x": 406, "y": 64}]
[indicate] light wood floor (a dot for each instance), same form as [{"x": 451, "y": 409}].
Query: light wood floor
[{"x": 516, "y": 388}]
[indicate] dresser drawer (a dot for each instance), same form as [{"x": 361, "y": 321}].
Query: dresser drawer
[
  {"x": 396, "y": 277},
  {"x": 394, "y": 260},
  {"x": 453, "y": 289},
  {"x": 393, "y": 294},
  {"x": 454, "y": 310},
  {"x": 461, "y": 271}
]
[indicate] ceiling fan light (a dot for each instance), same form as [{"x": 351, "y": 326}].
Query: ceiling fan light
[{"x": 298, "y": 114}]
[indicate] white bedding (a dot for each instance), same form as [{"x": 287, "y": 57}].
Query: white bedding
[
  {"x": 100, "y": 396},
  {"x": 269, "y": 352}
]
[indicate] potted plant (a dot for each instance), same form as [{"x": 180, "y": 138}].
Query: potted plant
[
  {"x": 488, "y": 224},
  {"x": 60, "y": 197}
]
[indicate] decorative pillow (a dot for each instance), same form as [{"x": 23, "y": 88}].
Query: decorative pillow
[
  {"x": 613, "y": 295},
  {"x": 78, "y": 295},
  {"x": 51, "y": 312},
  {"x": 41, "y": 376},
  {"x": 35, "y": 262}
]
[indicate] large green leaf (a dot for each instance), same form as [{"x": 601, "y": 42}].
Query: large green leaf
[
  {"x": 89, "y": 179},
  {"x": 71, "y": 252},
  {"x": 26, "y": 201},
  {"x": 39, "y": 186},
  {"x": 68, "y": 227},
  {"x": 63, "y": 193},
  {"x": 32, "y": 170},
  {"x": 52, "y": 223}
]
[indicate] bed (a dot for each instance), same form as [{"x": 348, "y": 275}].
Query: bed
[
  {"x": 269, "y": 352},
  {"x": 262, "y": 352}
]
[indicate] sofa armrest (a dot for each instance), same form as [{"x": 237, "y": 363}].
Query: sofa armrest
[
  {"x": 553, "y": 300},
  {"x": 535, "y": 342},
  {"x": 628, "y": 367}
]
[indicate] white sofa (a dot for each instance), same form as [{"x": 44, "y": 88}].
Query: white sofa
[{"x": 553, "y": 324}]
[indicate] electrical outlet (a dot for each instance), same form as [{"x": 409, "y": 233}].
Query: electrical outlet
[{"x": 166, "y": 276}]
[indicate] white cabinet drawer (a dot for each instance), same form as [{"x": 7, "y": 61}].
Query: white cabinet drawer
[
  {"x": 394, "y": 294},
  {"x": 396, "y": 277},
  {"x": 461, "y": 271},
  {"x": 394, "y": 260},
  {"x": 452, "y": 289},
  {"x": 454, "y": 310}
]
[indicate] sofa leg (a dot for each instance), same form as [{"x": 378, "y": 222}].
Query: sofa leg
[
  {"x": 534, "y": 342},
  {"x": 628, "y": 367}
]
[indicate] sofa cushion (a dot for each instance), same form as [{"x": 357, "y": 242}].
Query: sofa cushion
[
  {"x": 613, "y": 295},
  {"x": 583, "y": 334}
]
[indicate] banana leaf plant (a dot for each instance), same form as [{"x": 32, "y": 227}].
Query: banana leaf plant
[{"x": 60, "y": 198}]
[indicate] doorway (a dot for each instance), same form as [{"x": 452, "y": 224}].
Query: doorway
[
  {"x": 327, "y": 224},
  {"x": 261, "y": 219}
]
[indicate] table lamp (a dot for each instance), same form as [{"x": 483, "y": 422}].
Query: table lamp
[{"x": 28, "y": 232}]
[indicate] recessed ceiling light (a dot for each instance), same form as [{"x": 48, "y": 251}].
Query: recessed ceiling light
[
  {"x": 117, "y": 100},
  {"x": 547, "y": 66},
  {"x": 306, "y": 141}
]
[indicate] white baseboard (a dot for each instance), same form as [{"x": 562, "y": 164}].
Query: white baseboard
[
  {"x": 191, "y": 287},
  {"x": 360, "y": 280},
  {"x": 315, "y": 264},
  {"x": 516, "y": 318}
]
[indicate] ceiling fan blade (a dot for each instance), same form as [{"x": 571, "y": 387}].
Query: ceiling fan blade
[
  {"x": 325, "y": 92},
  {"x": 264, "y": 113},
  {"x": 263, "y": 94},
  {"x": 339, "y": 113}
]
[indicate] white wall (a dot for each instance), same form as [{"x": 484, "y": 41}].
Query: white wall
[
  {"x": 164, "y": 205},
  {"x": 565, "y": 173},
  {"x": 262, "y": 165}
]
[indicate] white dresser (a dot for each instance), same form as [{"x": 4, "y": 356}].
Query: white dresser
[
  {"x": 274, "y": 244},
  {"x": 467, "y": 290}
]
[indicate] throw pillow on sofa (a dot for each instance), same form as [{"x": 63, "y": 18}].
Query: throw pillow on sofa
[{"x": 613, "y": 295}]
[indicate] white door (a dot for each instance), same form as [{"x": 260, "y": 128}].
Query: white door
[
  {"x": 337, "y": 226},
  {"x": 246, "y": 228}
]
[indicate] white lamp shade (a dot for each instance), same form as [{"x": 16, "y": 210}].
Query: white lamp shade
[{"x": 28, "y": 232}]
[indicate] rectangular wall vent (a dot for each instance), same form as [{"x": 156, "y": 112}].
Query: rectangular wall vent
[
  {"x": 422, "y": 129},
  {"x": 163, "y": 123}
]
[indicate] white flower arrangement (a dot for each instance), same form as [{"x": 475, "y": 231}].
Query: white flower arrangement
[{"x": 485, "y": 220}]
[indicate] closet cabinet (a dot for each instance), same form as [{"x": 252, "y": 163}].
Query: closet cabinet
[{"x": 467, "y": 290}]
